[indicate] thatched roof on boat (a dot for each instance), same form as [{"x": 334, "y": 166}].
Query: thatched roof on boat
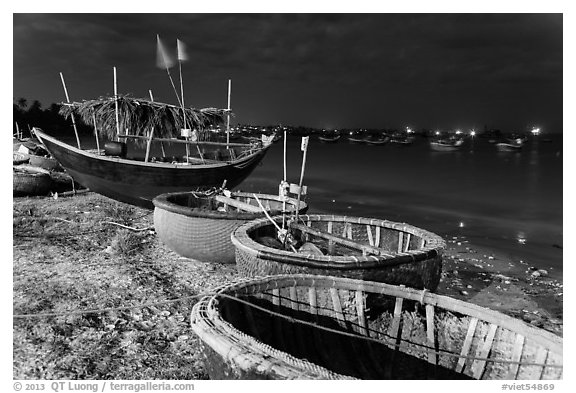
[{"x": 137, "y": 116}]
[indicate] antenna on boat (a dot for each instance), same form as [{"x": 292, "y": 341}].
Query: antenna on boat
[
  {"x": 284, "y": 186},
  {"x": 182, "y": 56},
  {"x": 71, "y": 114},
  {"x": 116, "y": 104},
  {"x": 228, "y": 118},
  {"x": 163, "y": 61},
  {"x": 304, "y": 148}
]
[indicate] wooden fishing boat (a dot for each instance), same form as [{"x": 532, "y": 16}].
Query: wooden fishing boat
[
  {"x": 376, "y": 140},
  {"x": 328, "y": 139},
  {"x": 198, "y": 225},
  {"x": 354, "y": 247},
  {"x": 446, "y": 145},
  {"x": 28, "y": 180},
  {"x": 356, "y": 137},
  {"x": 319, "y": 327},
  {"x": 137, "y": 180},
  {"x": 512, "y": 146}
]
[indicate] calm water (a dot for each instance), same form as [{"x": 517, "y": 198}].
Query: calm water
[{"x": 508, "y": 201}]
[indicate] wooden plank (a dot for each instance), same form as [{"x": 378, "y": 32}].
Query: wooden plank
[
  {"x": 337, "y": 306},
  {"x": 430, "y": 334},
  {"x": 407, "y": 242},
  {"x": 312, "y": 299},
  {"x": 330, "y": 242},
  {"x": 478, "y": 365},
  {"x": 293, "y": 299},
  {"x": 467, "y": 344},
  {"x": 395, "y": 327},
  {"x": 276, "y": 296},
  {"x": 377, "y": 237},
  {"x": 339, "y": 240},
  {"x": 370, "y": 238},
  {"x": 188, "y": 142},
  {"x": 400, "y": 238},
  {"x": 360, "y": 312},
  {"x": 516, "y": 355},
  {"x": 350, "y": 231},
  {"x": 238, "y": 204}
]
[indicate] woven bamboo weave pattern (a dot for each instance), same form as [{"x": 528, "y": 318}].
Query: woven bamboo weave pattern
[
  {"x": 193, "y": 228},
  {"x": 417, "y": 265},
  {"x": 29, "y": 180},
  {"x": 318, "y": 327}
]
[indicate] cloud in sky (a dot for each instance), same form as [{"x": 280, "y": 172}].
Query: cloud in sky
[{"x": 348, "y": 69}]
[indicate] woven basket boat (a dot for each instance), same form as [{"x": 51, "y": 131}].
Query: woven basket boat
[
  {"x": 318, "y": 327},
  {"x": 19, "y": 158},
  {"x": 30, "y": 180},
  {"x": 353, "y": 247},
  {"x": 47, "y": 163},
  {"x": 191, "y": 224}
]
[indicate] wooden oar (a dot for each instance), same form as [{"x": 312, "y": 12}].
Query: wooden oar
[{"x": 366, "y": 249}]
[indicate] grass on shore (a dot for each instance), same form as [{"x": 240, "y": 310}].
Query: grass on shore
[{"x": 68, "y": 257}]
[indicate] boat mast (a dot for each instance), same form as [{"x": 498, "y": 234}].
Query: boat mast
[
  {"x": 71, "y": 114},
  {"x": 182, "y": 57},
  {"x": 228, "y": 118},
  {"x": 116, "y": 104}
]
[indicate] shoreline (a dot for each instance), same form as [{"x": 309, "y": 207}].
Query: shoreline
[{"x": 68, "y": 258}]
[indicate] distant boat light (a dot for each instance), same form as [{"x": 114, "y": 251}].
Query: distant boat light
[
  {"x": 461, "y": 224},
  {"x": 437, "y": 132},
  {"x": 536, "y": 131},
  {"x": 458, "y": 132},
  {"x": 472, "y": 133}
]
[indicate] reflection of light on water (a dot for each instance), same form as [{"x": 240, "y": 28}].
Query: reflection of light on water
[{"x": 521, "y": 238}]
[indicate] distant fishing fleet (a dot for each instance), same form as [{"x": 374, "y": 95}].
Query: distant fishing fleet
[
  {"x": 320, "y": 295},
  {"x": 437, "y": 141}
]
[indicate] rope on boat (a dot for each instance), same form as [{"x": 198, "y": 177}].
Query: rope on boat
[{"x": 426, "y": 348}]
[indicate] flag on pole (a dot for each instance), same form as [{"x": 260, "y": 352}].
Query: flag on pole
[
  {"x": 304, "y": 143},
  {"x": 182, "y": 55},
  {"x": 163, "y": 59}
]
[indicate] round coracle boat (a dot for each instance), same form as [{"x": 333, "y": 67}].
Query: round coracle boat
[
  {"x": 198, "y": 225},
  {"x": 318, "y": 327},
  {"x": 353, "y": 247},
  {"x": 30, "y": 180},
  {"x": 47, "y": 163}
]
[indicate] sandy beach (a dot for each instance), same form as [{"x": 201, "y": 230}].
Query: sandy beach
[{"x": 95, "y": 300}]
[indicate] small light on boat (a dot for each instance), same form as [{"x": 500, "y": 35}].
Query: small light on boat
[
  {"x": 521, "y": 238},
  {"x": 472, "y": 133},
  {"x": 458, "y": 132},
  {"x": 461, "y": 224},
  {"x": 408, "y": 130},
  {"x": 535, "y": 131},
  {"x": 437, "y": 132}
]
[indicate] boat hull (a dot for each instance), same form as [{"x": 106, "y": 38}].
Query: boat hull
[
  {"x": 444, "y": 147},
  {"x": 328, "y": 140},
  {"x": 508, "y": 147},
  {"x": 136, "y": 182}
]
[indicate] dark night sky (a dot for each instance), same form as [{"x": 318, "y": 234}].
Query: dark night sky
[{"x": 321, "y": 70}]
